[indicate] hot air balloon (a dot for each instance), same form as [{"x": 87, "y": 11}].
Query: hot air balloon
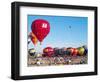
[
  {"x": 72, "y": 51},
  {"x": 75, "y": 53},
  {"x": 33, "y": 38},
  {"x": 29, "y": 40},
  {"x": 56, "y": 51},
  {"x": 32, "y": 52},
  {"x": 69, "y": 51},
  {"x": 48, "y": 51},
  {"x": 40, "y": 28},
  {"x": 81, "y": 51},
  {"x": 64, "y": 49},
  {"x": 85, "y": 49}
]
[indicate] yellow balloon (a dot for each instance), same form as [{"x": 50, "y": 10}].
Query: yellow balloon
[{"x": 81, "y": 51}]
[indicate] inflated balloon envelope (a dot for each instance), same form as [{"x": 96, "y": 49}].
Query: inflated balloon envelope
[
  {"x": 40, "y": 28},
  {"x": 33, "y": 38},
  {"x": 49, "y": 51}
]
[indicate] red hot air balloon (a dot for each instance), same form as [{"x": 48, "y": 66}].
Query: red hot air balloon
[
  {"x": 40, "y": 28},
  {"x": 48, "y": 51},
  {"x": 74, "y": 51}
]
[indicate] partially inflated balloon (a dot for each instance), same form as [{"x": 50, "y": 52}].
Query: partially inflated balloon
[
  {"x": 72, "y": 51},
  {"x": 48, "y": 51},
  {"x": 86, "y": 50},
  {"x": 33, "y": 38},
  {"x": 32, "y": 52},
  {"x": 75, "y": 52},
  {"x": 56, "y": 51},
  {"x": 40, "y": 28},
  {"x": 69, "y": 51},
  {"x": 81, "y": 51}
]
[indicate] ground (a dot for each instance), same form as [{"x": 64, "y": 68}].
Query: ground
[{"x": 49, "y": 61}]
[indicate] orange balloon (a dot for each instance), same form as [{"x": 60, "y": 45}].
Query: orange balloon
[{"x": 33, "y": 38}]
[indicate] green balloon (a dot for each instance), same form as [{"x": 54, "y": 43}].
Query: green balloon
[{"x": 81, "y": 51}]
